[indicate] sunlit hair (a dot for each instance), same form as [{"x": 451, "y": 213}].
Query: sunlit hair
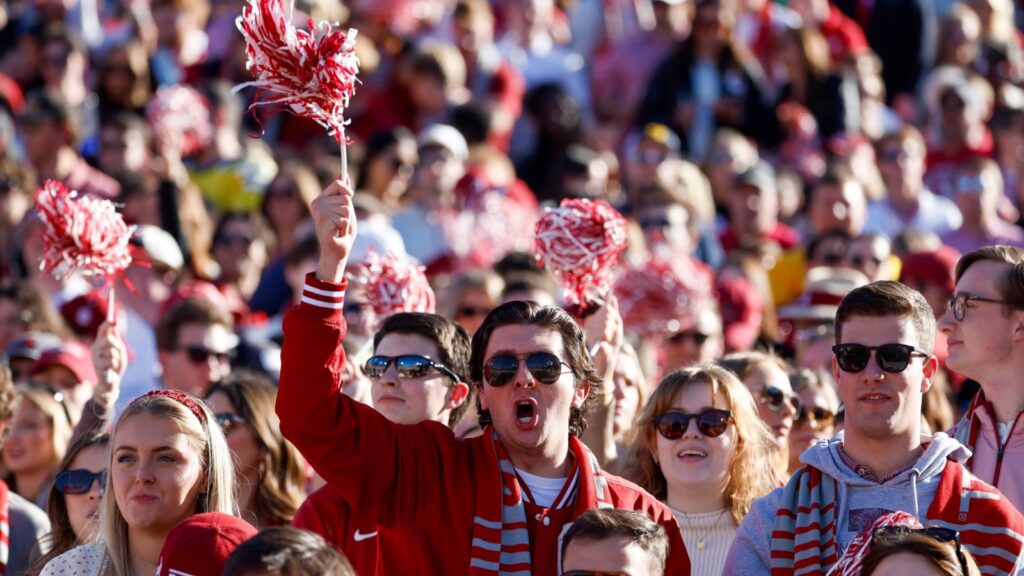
[
  {"x": 750, "y": 472},
  {"x": 282, "y": 473},
  {"x": 62, "y": 537},
  {"x": 218, "y": 480},
  {"x": 742, "y": 364},
  {"x": 941, "y": 555},
  {"x": 57, "y": 415}
]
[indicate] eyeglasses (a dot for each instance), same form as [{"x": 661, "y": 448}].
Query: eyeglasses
[
  {"x": 79, "y": 481},
  {"x": 229, "y": 422},
  {"x": 958, "y": 304},
  {"x": 698, "y": 338},
  {"x": 234, "y": 240},
  {"x": 472, "y": 311},
  {"x": 711, "y": 422},
  {"x": 943, "y": 535},
  {"x": 817, "y": 417},
  {"x": 409, "y": 366},
  {"x": 545, "y": 367},
  {"x": 775, "y": 398},
  {"x": 202, "y": 355},
  {"x": 892, "y": 358}
]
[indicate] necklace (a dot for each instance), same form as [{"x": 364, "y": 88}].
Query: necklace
[{"x": 701, "y": 532}]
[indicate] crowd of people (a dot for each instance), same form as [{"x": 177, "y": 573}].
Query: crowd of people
[{"x": 807, "y": 360}]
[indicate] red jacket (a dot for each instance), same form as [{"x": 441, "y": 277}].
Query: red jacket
[
  {"x": 996, "y": 462},
  {"x": 418, "y": 484}
]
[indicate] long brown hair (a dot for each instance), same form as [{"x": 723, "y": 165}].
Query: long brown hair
[
  {"x": 750, "y": 473},
  {"x": 61, "y": 537},
  {"x": 282, "y": 472}
]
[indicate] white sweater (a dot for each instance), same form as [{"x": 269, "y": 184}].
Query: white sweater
[{"x": 716, "y": 530}]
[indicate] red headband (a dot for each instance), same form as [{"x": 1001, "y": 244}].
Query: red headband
[{"x": 183, "y": 398}]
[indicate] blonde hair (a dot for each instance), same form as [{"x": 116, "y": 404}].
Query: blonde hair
[
  {"x": 750, "y": 473},
  {"x": 217, "y": 495},
  {"x": 58, "y": 415}
]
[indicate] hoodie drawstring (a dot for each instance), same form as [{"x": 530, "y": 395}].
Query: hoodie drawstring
[{"x": 914, "y": 475}]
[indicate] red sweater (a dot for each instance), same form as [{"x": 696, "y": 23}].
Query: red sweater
[{"x": 417, "y": 484}]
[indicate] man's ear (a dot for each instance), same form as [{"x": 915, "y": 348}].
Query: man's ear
[
  {"x": 580, "y": 394},
  {"x": 457, "y": 394},
  {"x": 929, "y": 369},
  {"x": 1018, "y": 326}
]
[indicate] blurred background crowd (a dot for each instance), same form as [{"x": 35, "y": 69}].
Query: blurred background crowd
[{"x": 770, "y": 156}]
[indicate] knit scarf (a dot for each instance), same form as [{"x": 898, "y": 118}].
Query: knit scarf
[
  {"x": 5, "y": 527},
  {"x": 989, "y": 526},
  {"x": 501, "y": 537}
]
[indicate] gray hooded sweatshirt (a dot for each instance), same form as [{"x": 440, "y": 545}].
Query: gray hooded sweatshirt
[{"x": 861, "y": 501}]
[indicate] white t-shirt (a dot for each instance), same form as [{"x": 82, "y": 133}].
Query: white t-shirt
[{"x": 544, "y": 490}]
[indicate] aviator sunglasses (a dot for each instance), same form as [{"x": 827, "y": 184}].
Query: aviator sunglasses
[
  {"x": 545, "y": 367},
  {"x": 775, "y": 398},
  {"x": 711, "y": 422},
  {"x": 79, "y": 481},
  {"x": 892, "y": 358},
  {"x": 409, "y": 366}
]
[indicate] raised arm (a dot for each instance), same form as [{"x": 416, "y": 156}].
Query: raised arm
[
  {"x": 110, "y": 360},
  {"x": 374, "y": 464}
]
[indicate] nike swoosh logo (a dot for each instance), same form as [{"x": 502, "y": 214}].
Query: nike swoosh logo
[{"x": 359, "y": 536}]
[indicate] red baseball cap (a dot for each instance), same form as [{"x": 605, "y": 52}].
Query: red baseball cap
[
  {"x": 200, "y": 544},
  {"x": 742, "y": 312},
  {"x": 71, "y": 355},
  {"x": 937, "y": 267}
]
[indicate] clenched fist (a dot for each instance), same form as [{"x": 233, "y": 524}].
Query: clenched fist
[{"x": 335, "y": 220}]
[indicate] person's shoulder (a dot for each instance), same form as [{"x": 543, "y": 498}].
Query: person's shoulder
[
  {"x": 22, "y": 510},
  {"x": 625, "y": 494},
  {"x": 84, "y": 560}
]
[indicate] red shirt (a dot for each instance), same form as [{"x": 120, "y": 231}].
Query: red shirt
[
  {"x": 844, "y": 36},
  {"x": 418, "y": 481}
]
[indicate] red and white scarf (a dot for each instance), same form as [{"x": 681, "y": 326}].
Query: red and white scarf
[
  {"x": 501, "y": 536},
  {"x": 5, "y": 527}
]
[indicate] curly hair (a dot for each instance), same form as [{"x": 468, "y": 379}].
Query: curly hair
[{"x": 750, "y": 473}]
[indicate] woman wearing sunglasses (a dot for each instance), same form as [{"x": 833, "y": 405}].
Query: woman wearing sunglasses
[
  {"x": 817, "y": 417},
  {"x": 700, "y": 447},
  {"x": 37, "y": 440},
  {"x": 168, "y": 461},
  {"x": 767, "y": 378},
  {"x": 74, "y": 505},
  {"x": 270, "y": 472}
]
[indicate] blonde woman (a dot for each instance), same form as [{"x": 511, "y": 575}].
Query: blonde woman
[
  {"x": 699, "y": 446},
  {"x": 168, "y": 461},
  {"x": 37, "y": 440},
  {"x": 816, "y": 420}
]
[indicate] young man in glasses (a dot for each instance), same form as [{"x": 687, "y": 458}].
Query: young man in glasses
[
  {"x": 605, "y": 541},
  {"x": 984, "y": 328},
  {"x": 882, "y": 462},
  {"x": 418, "y": 373},
  {"x": 497, "y": 503}
]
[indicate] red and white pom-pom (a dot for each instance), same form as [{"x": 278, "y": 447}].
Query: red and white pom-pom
[
  {"x": 579, "y": 242},
  {"x": 312, "y": 73},
  {"x": 852, "y": 561},
  {"x": 180, "y": 118},
  {"x": 392, "y": 284},
  {"x": 83, "y": 234},
  {"x": 659, "y": 296}
]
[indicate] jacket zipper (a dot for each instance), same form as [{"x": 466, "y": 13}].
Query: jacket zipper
[{"x": 1002, "y": 449}]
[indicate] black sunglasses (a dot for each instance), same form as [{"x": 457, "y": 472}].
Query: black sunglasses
[
  {"x": 409, "y": 366},
  {"x": 711, "y": 422},
  {"x": 820, "y": 416},
  {"x": 201, "y": 355},
  {"x": 775, "y": 398},
  {"x": 943, "y": 535},
  {"x": 892, "y": 358},
  {"x": 698, "y": 338},
  {"x": 228, "y": 422},
  {"x": 545, "y": 367},
  {"x": 79, "y": 481}
]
